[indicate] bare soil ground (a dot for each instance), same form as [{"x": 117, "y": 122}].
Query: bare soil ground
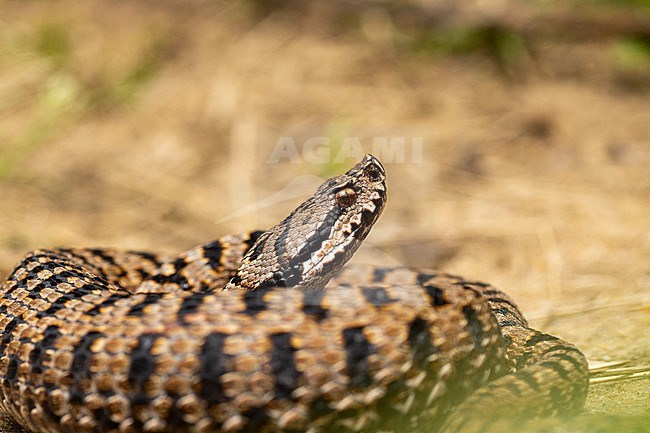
[{"x": 162, "y": 125}]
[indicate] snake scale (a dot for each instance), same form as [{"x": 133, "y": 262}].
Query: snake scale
[{"x": 267, "y": 331}]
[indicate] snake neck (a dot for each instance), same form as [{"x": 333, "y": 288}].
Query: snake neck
[{"x": 310, "y": 245}]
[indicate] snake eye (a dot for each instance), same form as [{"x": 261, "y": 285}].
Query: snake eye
[{"x": 346, "y": 197}]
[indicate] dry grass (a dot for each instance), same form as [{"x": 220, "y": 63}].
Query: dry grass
[{"x": 150, "y": 125}]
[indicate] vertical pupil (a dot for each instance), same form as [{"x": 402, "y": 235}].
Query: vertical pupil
[{"x": 345, "y": 197}]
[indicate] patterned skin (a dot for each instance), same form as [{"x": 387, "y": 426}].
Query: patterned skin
[{"x": 267, "y": 331}]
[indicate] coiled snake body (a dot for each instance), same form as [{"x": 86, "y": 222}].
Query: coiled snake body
[{"x": 265, "y": 332}]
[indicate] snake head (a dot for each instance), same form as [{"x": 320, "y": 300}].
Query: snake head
[{"x": 310, "y": 245}]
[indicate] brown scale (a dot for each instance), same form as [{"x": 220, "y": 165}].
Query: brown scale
[{"x": 246, "y": 334}]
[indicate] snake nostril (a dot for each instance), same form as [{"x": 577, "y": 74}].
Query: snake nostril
[{"x": 374, "y": 174}]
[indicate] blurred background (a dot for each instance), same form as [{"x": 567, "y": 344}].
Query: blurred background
[{"x": 515, "y": 135}]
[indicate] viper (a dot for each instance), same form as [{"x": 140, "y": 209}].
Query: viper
[{"x": 270, "y": 331}]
